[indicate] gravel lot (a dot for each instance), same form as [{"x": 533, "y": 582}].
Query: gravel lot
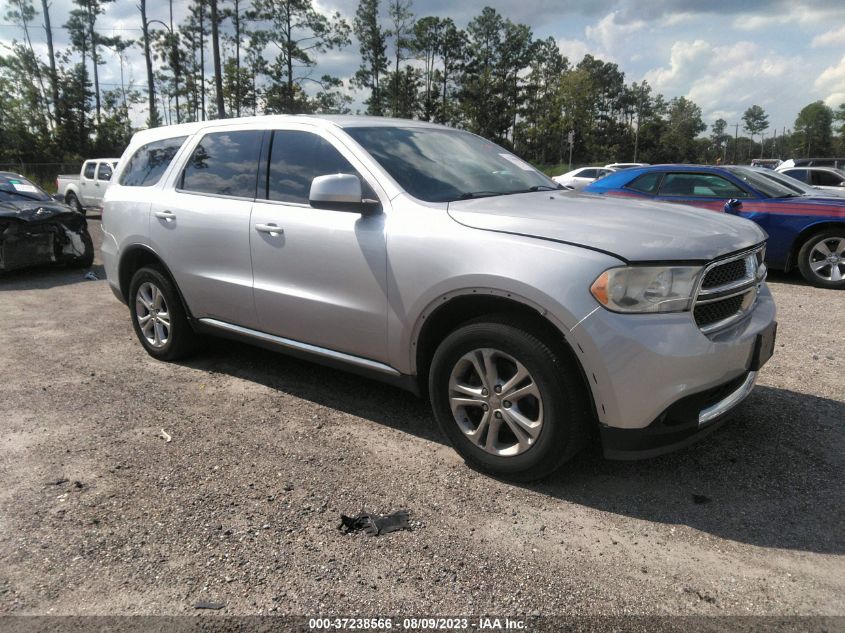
[{"x": 99, "y": 515}]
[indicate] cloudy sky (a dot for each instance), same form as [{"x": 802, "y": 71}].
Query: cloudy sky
[{"x": 723, "y": 54}]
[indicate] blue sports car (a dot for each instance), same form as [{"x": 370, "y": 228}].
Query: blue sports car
[{"x": 804, "y": 230}]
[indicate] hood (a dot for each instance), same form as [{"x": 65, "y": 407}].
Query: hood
[
  {"x": 633, "y": 230},
  {"x": 33, "y": 210}
]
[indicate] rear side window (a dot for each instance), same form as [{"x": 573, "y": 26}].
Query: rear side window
[
  {"x": 296, "y": 158},
  {"x": 147, "y": 164},
  {"x": 224, "y": 164},
  {"x": 89, "y": 170},
  {"x": 586, "y": 173},
  {"x": 700, "y": 185},
  {"x": 646, "y": 183}
]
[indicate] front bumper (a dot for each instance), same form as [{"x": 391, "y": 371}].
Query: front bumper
[
  {"x": 685, "y": 422},
  {"x": 646, "y": 369}
]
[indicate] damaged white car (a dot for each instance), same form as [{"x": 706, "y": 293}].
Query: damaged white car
[{"x": 37, "y": 230}]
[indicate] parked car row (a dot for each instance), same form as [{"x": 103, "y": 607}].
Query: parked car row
[{"x": 806, "y": 229}]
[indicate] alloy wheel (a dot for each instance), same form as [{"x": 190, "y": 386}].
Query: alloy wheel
[
  {"x": 827, "y": 259},
  {"x": 495, "y": 402},
  {"x": 152, "y": 315}
]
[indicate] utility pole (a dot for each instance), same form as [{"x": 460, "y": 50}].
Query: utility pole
[
  {"x": 736, "y": 142},
  {"x": 571, "y": 138}
]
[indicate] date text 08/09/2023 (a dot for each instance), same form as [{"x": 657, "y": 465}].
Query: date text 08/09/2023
[{"x": 417, "y": 624}]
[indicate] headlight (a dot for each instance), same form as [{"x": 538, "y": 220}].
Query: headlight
[{"x": 646, "y": 288}]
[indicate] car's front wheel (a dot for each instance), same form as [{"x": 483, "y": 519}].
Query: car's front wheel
[
  {"x": 821, "y": 259},
  {"x": 510, "y": 402},
  {"x": 158, "y": 317}
]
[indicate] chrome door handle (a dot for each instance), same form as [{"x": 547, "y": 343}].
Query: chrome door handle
[
  {"x": 272, "y": 229},
  {"x": 169, "y": 216}
]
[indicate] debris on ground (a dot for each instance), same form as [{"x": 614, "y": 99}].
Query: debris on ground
[
  {"x": 375, "y": 524},
  {"x": 91, "y": 276},
  {"x": 164, "y": 434},
  {"x": 202, "y": 604},
  {"x": 699, "y": 499}
]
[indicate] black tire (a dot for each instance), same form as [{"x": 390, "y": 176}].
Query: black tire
[
  {"x": 181, "y": 340},
  {"x": 808, "y": 255},
  {"x": 566, "y": 413},
  {"x": 73, "y": 202},
  {"x": 87, "y": 258}
]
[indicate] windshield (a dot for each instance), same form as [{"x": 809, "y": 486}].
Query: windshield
[
  {"x": 788, "y": 182},
  {"x": 14, "y": 187},
  {"x": 770, "y": 188},
  {"x": 441, "y": 165}
]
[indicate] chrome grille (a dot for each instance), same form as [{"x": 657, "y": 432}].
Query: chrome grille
[
  {"x": 728, "y": 290},
  {"x": 725, "y": 274}
]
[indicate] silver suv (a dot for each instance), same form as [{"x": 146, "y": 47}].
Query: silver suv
[{"x": 433, "y": 259}]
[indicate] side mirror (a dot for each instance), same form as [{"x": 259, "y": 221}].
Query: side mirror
[
  {"x": 733, "y": 206},
  {"x": 339, "y": 192}
]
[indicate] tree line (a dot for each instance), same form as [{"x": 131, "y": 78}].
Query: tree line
[{"x": 492, "y": 77}]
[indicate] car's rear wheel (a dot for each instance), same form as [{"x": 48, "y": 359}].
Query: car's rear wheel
[
  {"x": 158, "y": 316},
  {"x": 510, "y": 402},
  {"x": 73, "y": 202},
  {"x": 821, "y": 259}
]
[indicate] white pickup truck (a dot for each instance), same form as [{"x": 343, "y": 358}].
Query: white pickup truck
[{"x": 85, "y": 190}]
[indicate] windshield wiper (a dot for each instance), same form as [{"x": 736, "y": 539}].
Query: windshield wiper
[
  {"x": 481, "y": 194},
  {"x": 545, "y": 188}
]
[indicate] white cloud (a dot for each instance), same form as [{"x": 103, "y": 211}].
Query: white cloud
[
  {"x": 795, "y": 15},
  {"x": 725, "y": 80},
  {"x": 831, "y": 84},
  {"x": 609, "y": 33},
  {"x": 832, "y": 37},
  {"x": 573, "y": 50}
]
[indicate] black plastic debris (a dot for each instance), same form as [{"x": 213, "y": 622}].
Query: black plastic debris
[
  {"x": 202, "y": 604},
  {"x": 699, "y": 499},
  {"x": 375, "y": 524}
]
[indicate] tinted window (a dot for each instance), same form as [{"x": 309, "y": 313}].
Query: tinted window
[
  {"x": 104, "y": 172},
  {"x": 647, "y": 183},
  {"x": 224, "y": 164},
  {"x": 89, "y": 170},
  {"x": 586, "y": 173},
  {"x": 150, "y": 161},
  {"x": 296, "y": 158},
  {"x": 800, "y": 174},
  {"x": 826, "y": 179},
  {"x": 700, "y": 185}
]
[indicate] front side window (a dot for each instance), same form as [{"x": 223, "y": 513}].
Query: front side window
[
  {"x": 443, "y": 165},
  {"x": 149, "y": 162},
  {"x": 826, "y": 179},
  {"x": 224, "y": 164},
  {"x": 646, "y": 183},
  {"x": 104, "y": 172},
  {"x": 700, "y": 186},
  {"x": 296, "y": 158},
  {"x": 89, "y": 170}
]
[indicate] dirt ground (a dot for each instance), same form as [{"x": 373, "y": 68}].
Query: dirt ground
[{"x": 99, "y": 515}]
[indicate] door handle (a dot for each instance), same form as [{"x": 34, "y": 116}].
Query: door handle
[
  {"x": 272, "y": 229},
  {"x": 168, "y": 216}
]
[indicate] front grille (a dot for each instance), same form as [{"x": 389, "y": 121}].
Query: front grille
[
  {"x": 710, "y": 313},
  {"x": 728, "y": 290},
  {"x": 725, "y": 274}
]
